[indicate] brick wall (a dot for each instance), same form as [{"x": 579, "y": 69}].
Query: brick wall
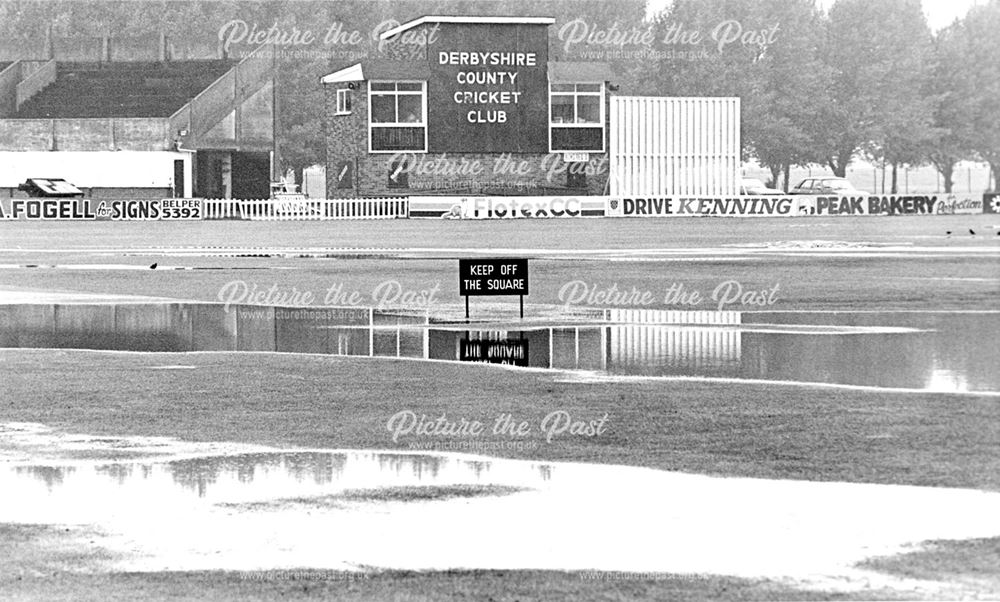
[
  {"x": 346, "y": 140},
  {"x": 429, "y": 174},
  {"x": 84, "y": 134},
  {"x": 26, "y": 134}
]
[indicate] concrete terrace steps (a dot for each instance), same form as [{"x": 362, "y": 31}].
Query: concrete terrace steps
[{"x": 101, "y": 90}]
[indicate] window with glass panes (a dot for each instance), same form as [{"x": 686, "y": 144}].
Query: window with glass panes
[
  {"x": 397, "y": 116},
  {"x": 576, "y": 117},
  {"x": 343, "y": 102}
]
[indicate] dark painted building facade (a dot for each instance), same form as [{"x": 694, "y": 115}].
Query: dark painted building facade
[{"x": 467, "y": 105}]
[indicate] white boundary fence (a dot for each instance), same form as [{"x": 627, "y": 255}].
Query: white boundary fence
[
  {"x": 221, "y": 209},
  {"x": 598, "y": 206},
  {"x": 307, "y": 209}
]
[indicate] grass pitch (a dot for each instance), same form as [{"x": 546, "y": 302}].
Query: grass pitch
[{"x": 757, "y": 430}]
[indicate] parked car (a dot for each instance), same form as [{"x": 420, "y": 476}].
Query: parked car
[
  {"x": 753, "y": 186},
  {"x": 831, "y": 185}
]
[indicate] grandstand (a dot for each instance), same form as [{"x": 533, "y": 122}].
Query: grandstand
[
  {"x": 137, "y": 124},
  {"x": 141, "y": 89}
]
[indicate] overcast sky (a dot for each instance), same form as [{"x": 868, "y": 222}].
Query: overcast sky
[{"x": 940, "y": 13}]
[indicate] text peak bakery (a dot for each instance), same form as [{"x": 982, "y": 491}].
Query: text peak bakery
[{"x": 467, "y": 90}]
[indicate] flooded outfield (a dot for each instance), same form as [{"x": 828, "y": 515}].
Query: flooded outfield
[
  {"x": 927, "y": 351},
  {"x": 251, "y": 509},
  {"x": 207, "y": 506}
]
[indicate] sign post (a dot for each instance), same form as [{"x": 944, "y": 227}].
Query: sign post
[{"x": 492, "y": 277}]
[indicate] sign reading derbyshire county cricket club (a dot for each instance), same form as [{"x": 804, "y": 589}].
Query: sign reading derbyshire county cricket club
[{"x": 489, "y": 89}]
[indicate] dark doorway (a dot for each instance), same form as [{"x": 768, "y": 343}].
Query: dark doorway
[
  {"x": 178, "y": 178},
  {"x": 208, "y": 174},
  {"x": 251, "y": 175}
]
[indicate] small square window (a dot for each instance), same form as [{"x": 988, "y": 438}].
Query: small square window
[{"x": 343, "y": 102}]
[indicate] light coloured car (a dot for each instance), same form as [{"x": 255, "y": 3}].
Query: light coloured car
[
  {"x": 826, "y": 185},
  {"x": 754, "y": 187}
]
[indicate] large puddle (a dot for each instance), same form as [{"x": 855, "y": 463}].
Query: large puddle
[
  {"x": 945, "y": 352},
  {"x": 355, "y": 510},
  {"x": 233, "y": 507}
]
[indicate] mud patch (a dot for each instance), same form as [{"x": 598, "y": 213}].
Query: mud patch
[
  {"x": 34, "y": 442},
  {"x": 976, "y": 560},
  {"x": 382, "y": 494},
  {"x": 30, "y": 551}
]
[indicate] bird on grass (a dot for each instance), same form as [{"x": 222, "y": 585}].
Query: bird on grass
[{"x": 152, "y": 267}]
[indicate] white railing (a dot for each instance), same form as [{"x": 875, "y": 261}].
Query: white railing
[
  {"x": 307, "y": 209},
  {"x": 221, "y": 209}
]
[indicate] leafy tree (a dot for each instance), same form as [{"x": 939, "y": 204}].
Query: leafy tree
[
  {"x": 982, "y": 67},
  {"x": 950, "y": 89},
  {"x": 773, "y": 66},
  {"x": 792, "y": 88},
  {"x": 876, "y": 53}
]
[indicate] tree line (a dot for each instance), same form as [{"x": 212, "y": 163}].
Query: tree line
[{"x": 867, "y": 79}]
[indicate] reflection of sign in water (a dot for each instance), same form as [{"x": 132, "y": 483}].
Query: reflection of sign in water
[{"x": 510, "y": 352}]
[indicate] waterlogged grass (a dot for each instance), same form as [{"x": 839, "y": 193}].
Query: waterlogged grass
[
  {"x": 29, "y": 551},
  {"x": 805, "y": 281},
  {"x": 407, "y": 494},
  {"x": 497, "y": 586},
  {"x": 497, "y": 234},
  {"x": 752, "y": 430},
  {"x": 755, "y": 430},
  {"x": 284, "y": 400},
  {"x": 970, "y": 560},
  {"x": 426, "y": 494},
  {"x": 35, "y": 566}
]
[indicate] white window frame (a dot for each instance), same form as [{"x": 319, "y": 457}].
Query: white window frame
[
  {"x": 423, "y": 108},
  {"x": 576, "y": 94},
  {"x": 343, "y": 98}
]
